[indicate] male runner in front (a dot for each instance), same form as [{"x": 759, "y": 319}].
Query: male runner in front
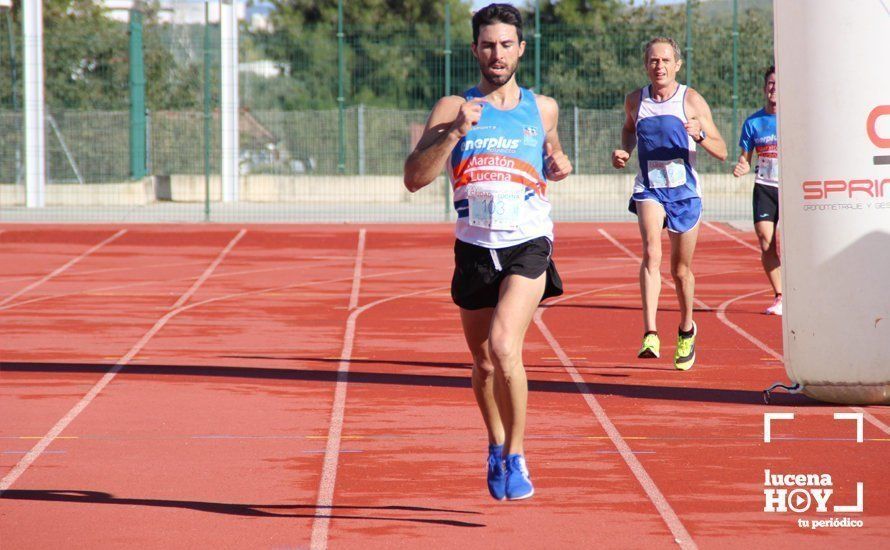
[{"x": 499, "y": 145}]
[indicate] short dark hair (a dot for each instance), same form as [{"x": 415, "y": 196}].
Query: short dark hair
[
  {"x": 771, "y": 70},
  {"x": 497, "y": 13}
]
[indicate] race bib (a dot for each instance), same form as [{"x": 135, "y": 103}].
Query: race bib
[
  {"x": 493, "y": 208},
  {"x": 666, "y": 173},
  {"x": 768, "y": 168}
]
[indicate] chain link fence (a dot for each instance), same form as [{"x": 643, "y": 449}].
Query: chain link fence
[{"x": 304, "y": 155}]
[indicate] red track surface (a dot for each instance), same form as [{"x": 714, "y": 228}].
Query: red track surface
[{"x": 214, "y": 429}]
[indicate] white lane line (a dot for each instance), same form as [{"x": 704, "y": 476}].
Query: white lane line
[
  {"x": 733, "y": 237},
  {"x": 721, "y": 314},
  {"x": 325, "y": 501},
  {"x": 664, "y": 279},
  {"x": 54, "y": 432},
  {"x": 62, "y": 268},
  {"x": 721, "y": 311},
  {"x": 148, "y": 283},
  {"x": 874, "y": 421},
  {"x": 4, "y": 280},
  {"x": 210, "y": 269},
  {"x": 357, "y": 272},
  {"x": 321, "y": 522},
  {"x": 667, "y": 513}
]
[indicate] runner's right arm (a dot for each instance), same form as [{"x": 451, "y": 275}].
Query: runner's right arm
[
  {"x": 450, "y": 120},
  {"x": 743, "y": 166},
  {"x": 746, "y": 143},
  {"x": 628, "y": 132}
]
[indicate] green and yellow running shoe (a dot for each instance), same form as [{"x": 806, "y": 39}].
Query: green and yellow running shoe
[
  {"x": 684, "y": 358},
  {"x": 650, "y": 347}
]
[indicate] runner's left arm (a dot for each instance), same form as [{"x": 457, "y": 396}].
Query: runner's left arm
[
  {"x": 701, "y": 121},
  {"x": 556, "y": 164}
]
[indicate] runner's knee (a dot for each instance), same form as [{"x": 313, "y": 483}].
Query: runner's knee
[
  {"x": 483, "y": 367},
  {"x": 681, "y": 273},
  {"x": 652, "y": 255},
  {"x": 504, "y": 354}
]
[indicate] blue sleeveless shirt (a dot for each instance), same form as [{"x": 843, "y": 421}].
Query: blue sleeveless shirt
[
  {"x": 497, "y": 175},
  {"x": 665, "y": 151}
]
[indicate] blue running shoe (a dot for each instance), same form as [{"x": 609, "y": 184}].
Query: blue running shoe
[
  {"x": 519, "y": 486},
  {"x": 497, "y": 478}
]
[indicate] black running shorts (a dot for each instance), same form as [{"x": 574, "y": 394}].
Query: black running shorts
[
  {"x": 766, "y": 203},
  {"x": 478, "y": 271}
]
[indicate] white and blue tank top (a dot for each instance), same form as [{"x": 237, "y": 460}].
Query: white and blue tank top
[
  {"x": 665, "y": 151},
  {"x": 497, "y": 175}
]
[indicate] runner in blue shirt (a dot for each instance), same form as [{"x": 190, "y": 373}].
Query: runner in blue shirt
[{"x": 759, "y": 134}]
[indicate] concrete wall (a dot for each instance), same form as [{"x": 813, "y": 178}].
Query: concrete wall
[
  {"x": 89, "y": 194},
  {"x": 725, "y": 197},
  {"x": 386, "y": 189}
]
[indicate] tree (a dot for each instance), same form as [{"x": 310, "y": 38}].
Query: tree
[{"x": 394, "y": 50}]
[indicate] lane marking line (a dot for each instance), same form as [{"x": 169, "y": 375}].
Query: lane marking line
[
  {"x": 721, "y": 314},
  {"x": 61, "y": 268},
  {"x": 667, "y": 513},
  {"x": 152, "y": 282},
  {"x": 733, "y": 237},
  {"x": 357, "y": 272},
  {"x": 322, "y": 520},
  {"x": 63, "y": 423}
]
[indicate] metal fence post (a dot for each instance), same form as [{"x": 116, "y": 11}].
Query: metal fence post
[
  {"x": 689, "y": 42},
  {"x": 147, "y": 159},
  {"x": 445, "y": 184},
  {"x": 735, "y": 74},
  {"x": 447, "y": 50},
  {"x": 15, "y": 89},
  {"x": 137, "y": 98},
  {"x": 538, "y": 46},
  {"x": 577, "y": 139},
  {"x": 341, "y": 96},
  {"x": 361, "y": 139}
]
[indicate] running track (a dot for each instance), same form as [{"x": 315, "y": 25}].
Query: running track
[{"x": 306, "y": 387}]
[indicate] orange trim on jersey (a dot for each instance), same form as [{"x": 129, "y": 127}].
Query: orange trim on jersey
[{"x": 460, "y": 177}]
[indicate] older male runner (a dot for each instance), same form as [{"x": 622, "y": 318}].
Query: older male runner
[{"x": 667, "y": 121}]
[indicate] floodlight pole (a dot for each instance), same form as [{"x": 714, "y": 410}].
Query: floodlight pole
[
  {"x": 229, "y": 102},
  {"x": 735, "y": 73},
  {"x": 35, "y": 138},
  {"x": 689, "y": 42},
  {"x": 207, "y": 118}
]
